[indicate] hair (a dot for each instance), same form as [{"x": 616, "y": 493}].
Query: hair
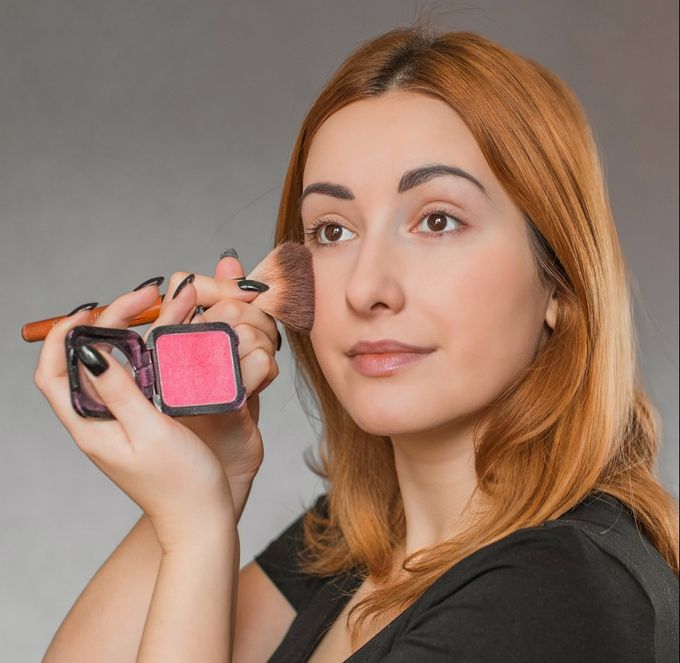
[{"x": 578, "y": 419}]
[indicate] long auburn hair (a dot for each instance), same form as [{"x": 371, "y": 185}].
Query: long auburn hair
[{"x": 578, "y": 419}]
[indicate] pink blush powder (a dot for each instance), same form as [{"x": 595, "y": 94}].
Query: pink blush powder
[{"x": 195, "y": 368}]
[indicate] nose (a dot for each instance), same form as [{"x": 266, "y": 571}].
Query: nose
[{"x": 375, "y": 282}]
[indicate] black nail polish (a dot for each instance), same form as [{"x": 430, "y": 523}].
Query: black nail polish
[
  {"x": 253, "y": 286},
  {"x": 278, "y": 340},
  {"x": 93, "y": 359},
  {"x": 189, "y": 279},
  {"x": 156, "y": 280},
  {"x": 199, "y": 311},
  {"x": 83, "y": 307},
  {"x": 230, "y": 253}
]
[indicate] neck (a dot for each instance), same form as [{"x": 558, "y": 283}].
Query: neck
[{"x": 437, "y": 478}]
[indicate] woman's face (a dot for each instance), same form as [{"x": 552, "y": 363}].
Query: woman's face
[{"x": 430, "y": 260}]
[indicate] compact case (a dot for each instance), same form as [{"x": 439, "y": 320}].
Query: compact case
[{"x": 183, "y": 369}]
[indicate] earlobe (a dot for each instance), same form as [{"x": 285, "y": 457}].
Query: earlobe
[{"x": 551, "y": 310}]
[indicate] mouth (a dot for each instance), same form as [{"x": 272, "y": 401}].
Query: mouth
[
  {"x": 384, "y": 346},
  {"x": 384, "y": 363}
]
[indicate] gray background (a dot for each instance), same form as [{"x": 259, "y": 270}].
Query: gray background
[{"x": 142, "y": 137}]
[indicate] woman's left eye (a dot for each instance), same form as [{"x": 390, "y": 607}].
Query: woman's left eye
[{"x": 436, "y": 221}]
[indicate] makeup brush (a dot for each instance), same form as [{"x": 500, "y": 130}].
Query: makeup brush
[{"x": 287, "y": 270}]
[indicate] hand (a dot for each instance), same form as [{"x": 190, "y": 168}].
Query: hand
[
  {"x": 234, "y": 437},
  {"x": 164, "y": 467}
]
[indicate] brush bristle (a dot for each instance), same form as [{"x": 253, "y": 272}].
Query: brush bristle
[{"x": 288, "y": 272}]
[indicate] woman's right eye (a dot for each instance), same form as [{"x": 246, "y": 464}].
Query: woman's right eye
[{"x": 330, "y": 231}]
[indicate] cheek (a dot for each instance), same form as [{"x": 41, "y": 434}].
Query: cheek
[
  {"x": 328, "y": 329},
  {"x": 493, "y": 322}
]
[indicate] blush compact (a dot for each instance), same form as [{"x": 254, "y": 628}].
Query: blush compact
[{"x": 182, "y": 369}]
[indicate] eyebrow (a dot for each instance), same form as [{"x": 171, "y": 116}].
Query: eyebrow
[{"x": 409, "y": 180}]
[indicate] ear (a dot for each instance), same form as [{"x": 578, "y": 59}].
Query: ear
[{"x": 551, "y": 310}]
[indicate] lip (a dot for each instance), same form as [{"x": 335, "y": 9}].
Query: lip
[
  {"x": 384, "y": 363},
  {"x": 384, "y": 357},
  {"x": 385, "y": 346}
]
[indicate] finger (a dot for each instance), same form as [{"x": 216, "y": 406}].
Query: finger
[
  {"x": 121, "y": 311},
  {"x": 118, "y": 391},
  {"x": 251, "y": 338},
  {"x": 194, "y": 312},
  {"x": 209, "y": 291},
  {"x": 235, "y": 313},
  {"x": 197, "y": 316},
  {"x": 176, "y": 283},
  {"x": 52, "y": 359},
  {"x": 228, "y": 267},
  {"x": 258, "y": 369},
  {"x": 177, "y": 309},
  {"x": 271, "y": 375},
  {"x": 51, "y": 376}
]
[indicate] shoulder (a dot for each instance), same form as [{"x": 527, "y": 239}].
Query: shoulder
[
  {"x": 545, "y": 566},
  {"x": 280, "y": 560},
  {"x": 594, "y": 550},
  {"x": 546, "y": 593}
]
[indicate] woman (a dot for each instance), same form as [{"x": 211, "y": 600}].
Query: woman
[{"x": 491, "y": 488}]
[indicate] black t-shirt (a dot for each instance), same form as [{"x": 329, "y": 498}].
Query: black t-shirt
[{"x": 586, "y": 587}]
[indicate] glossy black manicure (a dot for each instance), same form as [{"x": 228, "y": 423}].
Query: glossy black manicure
[
  {"x": 199, "y": 311},
  {"x": 156, "y": 280},
  {"x": 230, "y": 253},
  {"x": 278, "y": 340},
  {"x": 189, "y": 279},
  {"x": 83, "y": 307},
  {"x": 93, "y": 359},
  {"x": 252, "y": 286}
]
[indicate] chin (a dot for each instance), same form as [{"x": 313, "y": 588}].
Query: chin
[
  {"x": 381, "y": 428},
  {"x": 387, "y": 419}
]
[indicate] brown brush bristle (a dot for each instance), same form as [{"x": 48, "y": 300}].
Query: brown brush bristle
[{"x": 288, "y": 272}]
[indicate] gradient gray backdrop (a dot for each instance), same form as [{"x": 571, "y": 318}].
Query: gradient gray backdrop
[{"x": 142, "y": 137}]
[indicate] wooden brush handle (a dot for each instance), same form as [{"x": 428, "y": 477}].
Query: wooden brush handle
[{"x": 38, "y": 330}]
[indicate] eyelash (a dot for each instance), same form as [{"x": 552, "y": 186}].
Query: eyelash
[{"x": 312, "y": 233}]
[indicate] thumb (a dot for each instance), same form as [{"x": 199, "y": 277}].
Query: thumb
[
  {"x": 119, "y": 392},
  {"x": 228, "y": 266}
]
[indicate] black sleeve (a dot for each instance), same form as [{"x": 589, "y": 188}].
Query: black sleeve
[
  {"x": 552, "y": 598},
  {"x": 279, "y": 560}
]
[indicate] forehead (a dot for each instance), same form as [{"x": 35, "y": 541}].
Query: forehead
[{"x": 389, "y": 134}]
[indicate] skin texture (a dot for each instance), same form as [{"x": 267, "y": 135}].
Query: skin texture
[{"x": 473, "y": 295}]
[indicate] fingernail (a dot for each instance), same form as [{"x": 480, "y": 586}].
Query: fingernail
[
  {"x": 156, "y": 280},
  {"x": 93, "y": 359},
  {"x": 231, "y": 253},
  {"x": 199, "y": 311},
  {"x": 278, "y": 340},
  {"x": 83, "y": 307},
  {"x": 189, "y": 279},
  {"x": 253, "y": 286}
]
